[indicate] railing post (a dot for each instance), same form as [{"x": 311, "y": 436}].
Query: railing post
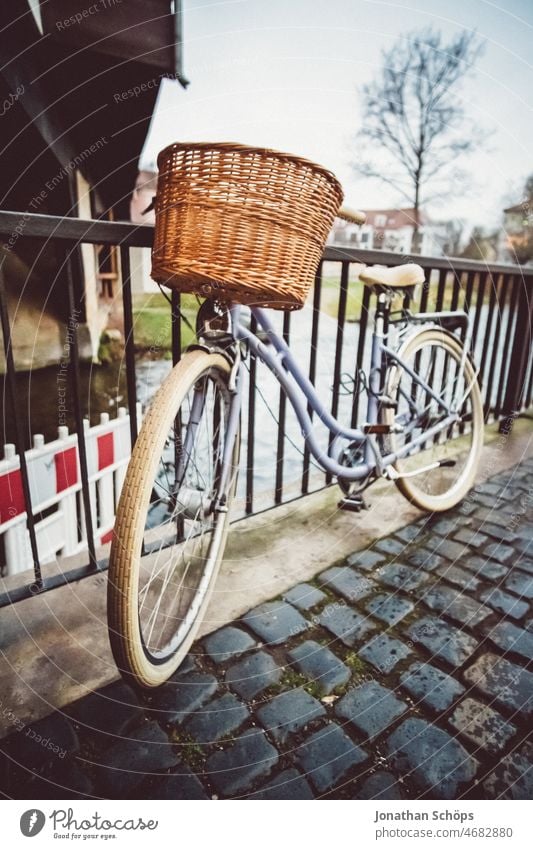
[{"x": 520, "y": 354}]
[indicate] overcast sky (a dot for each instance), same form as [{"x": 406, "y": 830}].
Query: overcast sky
[{"x": 286, "y": 73}]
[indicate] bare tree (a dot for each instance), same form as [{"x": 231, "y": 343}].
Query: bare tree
[{"x": 414, "y": 124}]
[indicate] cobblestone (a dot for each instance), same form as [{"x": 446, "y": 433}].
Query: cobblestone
[
  {"x": 401, "y": 577},
  {"x": 217, "y": 719},
  {"x": 384, "y": 652},
  {"x": 445, "y": 715},
  {"x": 252, "y": 675},
  {"x": 505, "y": 682},
  {"x": 111, "y": 710},
  {"x": 437, "y": 764},
  {"x": 471, "y": 537},
  {"x": 366, "y": 560},
  {"x": 504, "y": 603},
  {"x": 461, "y": 608},
  {"x": 320, "y": 665},
  {"x": 346, "y": 582},
  {"x": 234, "y": 770},
  {"x": 460, "y": 577},
  {"x": 482, "y": 725},
  {"x": 520, "y": 583},
  {"x": 482, "y": 567},
  {"x": 289, "y": 712},
  {"x": 511, "y": 638},
  {"x": 345, "y": 623},
  {"x": 228, "y": 643},
  {"x": 327, "y": 756},
  {"x": 370, "y": 708},
  {"x": 275, "y": 621},
  {"x": 304, "y": 596},
  {"x": 439, "y": 638},
  {"x": 380, "y": 785},
  {"x": 411, "y": 533},
  {"x": 513, "y": 777},
  {"x": 389, "y": 608},
  {"x": 500, "y": 552},
  {"x": 288, "y": 785},
  {"x": 390, "y": 546},
  {"x": 430, "y": 686},
  {"x": 178, "y": 699},
  {"x": 420, "y": 558},
  {"x": 448, "y": 548},
  {"x": 181, "y": 784},
  {"x": 125, "y": 764}
]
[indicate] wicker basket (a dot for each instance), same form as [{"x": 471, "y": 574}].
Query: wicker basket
[{"x": 242, "y": 224}]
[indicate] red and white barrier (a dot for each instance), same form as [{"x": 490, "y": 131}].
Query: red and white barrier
[{"x": 55, "y": 487}]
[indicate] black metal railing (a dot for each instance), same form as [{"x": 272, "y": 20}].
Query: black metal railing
[{"x": 333, "y": 333}]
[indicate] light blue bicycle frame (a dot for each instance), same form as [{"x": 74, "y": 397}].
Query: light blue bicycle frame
[{"x": 277, "y": 356}]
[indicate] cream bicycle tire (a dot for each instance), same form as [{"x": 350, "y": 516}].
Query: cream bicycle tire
[
  {"x": 408, "y": 485},
  {"x": 123, "y": 593}
]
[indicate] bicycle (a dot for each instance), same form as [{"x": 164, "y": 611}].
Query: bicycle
[{"x": 423, "y": 431}]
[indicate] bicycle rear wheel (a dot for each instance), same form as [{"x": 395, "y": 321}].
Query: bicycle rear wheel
[
  {"x": 436, "y": 357},
  {"x": 168, "y": 540}
]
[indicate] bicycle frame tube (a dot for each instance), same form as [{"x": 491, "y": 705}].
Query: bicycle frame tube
[{"x": 278, "y": 357}]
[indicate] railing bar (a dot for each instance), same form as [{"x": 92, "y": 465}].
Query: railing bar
[
  {"x": 443, "y": 274},
  {"x": 176, "y": 326},
  {"x": 422, "y": 306},
  {"x": 500, "y": 288},
  {"x": 458, "y": 280},
  {"x": 251, "y": 427},
  {"x": 529, "y": 392},
  {"x": 504, "y": 366},
  {"x": 317, "y": 291},
  {"x": 337, "y": 367},
  {"x": 487, "y": 333},
  {"x": 11, "y": 380},
  {"x": 363, "y": 324},
  {"x": 51, "y": 582},
  {"x": 482, "y": 280},
  {"x": 78, "y": 415},
  {"x": 515, "y": 389},
  {"x": 127, "y": 306},
  {"x": 88, "y": 231},
  {"x": 280, "y": 449}
]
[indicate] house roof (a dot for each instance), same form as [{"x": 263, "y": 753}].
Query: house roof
[{"x": 518, "y": 207}]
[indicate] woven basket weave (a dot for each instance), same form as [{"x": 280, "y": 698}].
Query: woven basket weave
[{"x": 241, "y": 224}]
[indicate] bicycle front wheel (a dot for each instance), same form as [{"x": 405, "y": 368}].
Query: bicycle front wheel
[
  {"x": 441, "y": 469},
  {"x": 168, "y": 539}
]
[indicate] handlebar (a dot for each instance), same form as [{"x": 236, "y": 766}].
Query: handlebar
[{"x": 352, "y": 215}]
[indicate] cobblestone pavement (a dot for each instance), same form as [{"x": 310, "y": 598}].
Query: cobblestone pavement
[{"x": 403, "y": 672}]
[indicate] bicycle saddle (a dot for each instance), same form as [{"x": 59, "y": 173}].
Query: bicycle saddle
[{"x": 398, "y": 277}]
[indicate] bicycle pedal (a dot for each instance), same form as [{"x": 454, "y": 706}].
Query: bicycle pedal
[{"x": 353, "y": 503}]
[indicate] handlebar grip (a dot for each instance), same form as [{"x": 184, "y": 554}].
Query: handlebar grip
[{"x": 353, "y": 215}]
